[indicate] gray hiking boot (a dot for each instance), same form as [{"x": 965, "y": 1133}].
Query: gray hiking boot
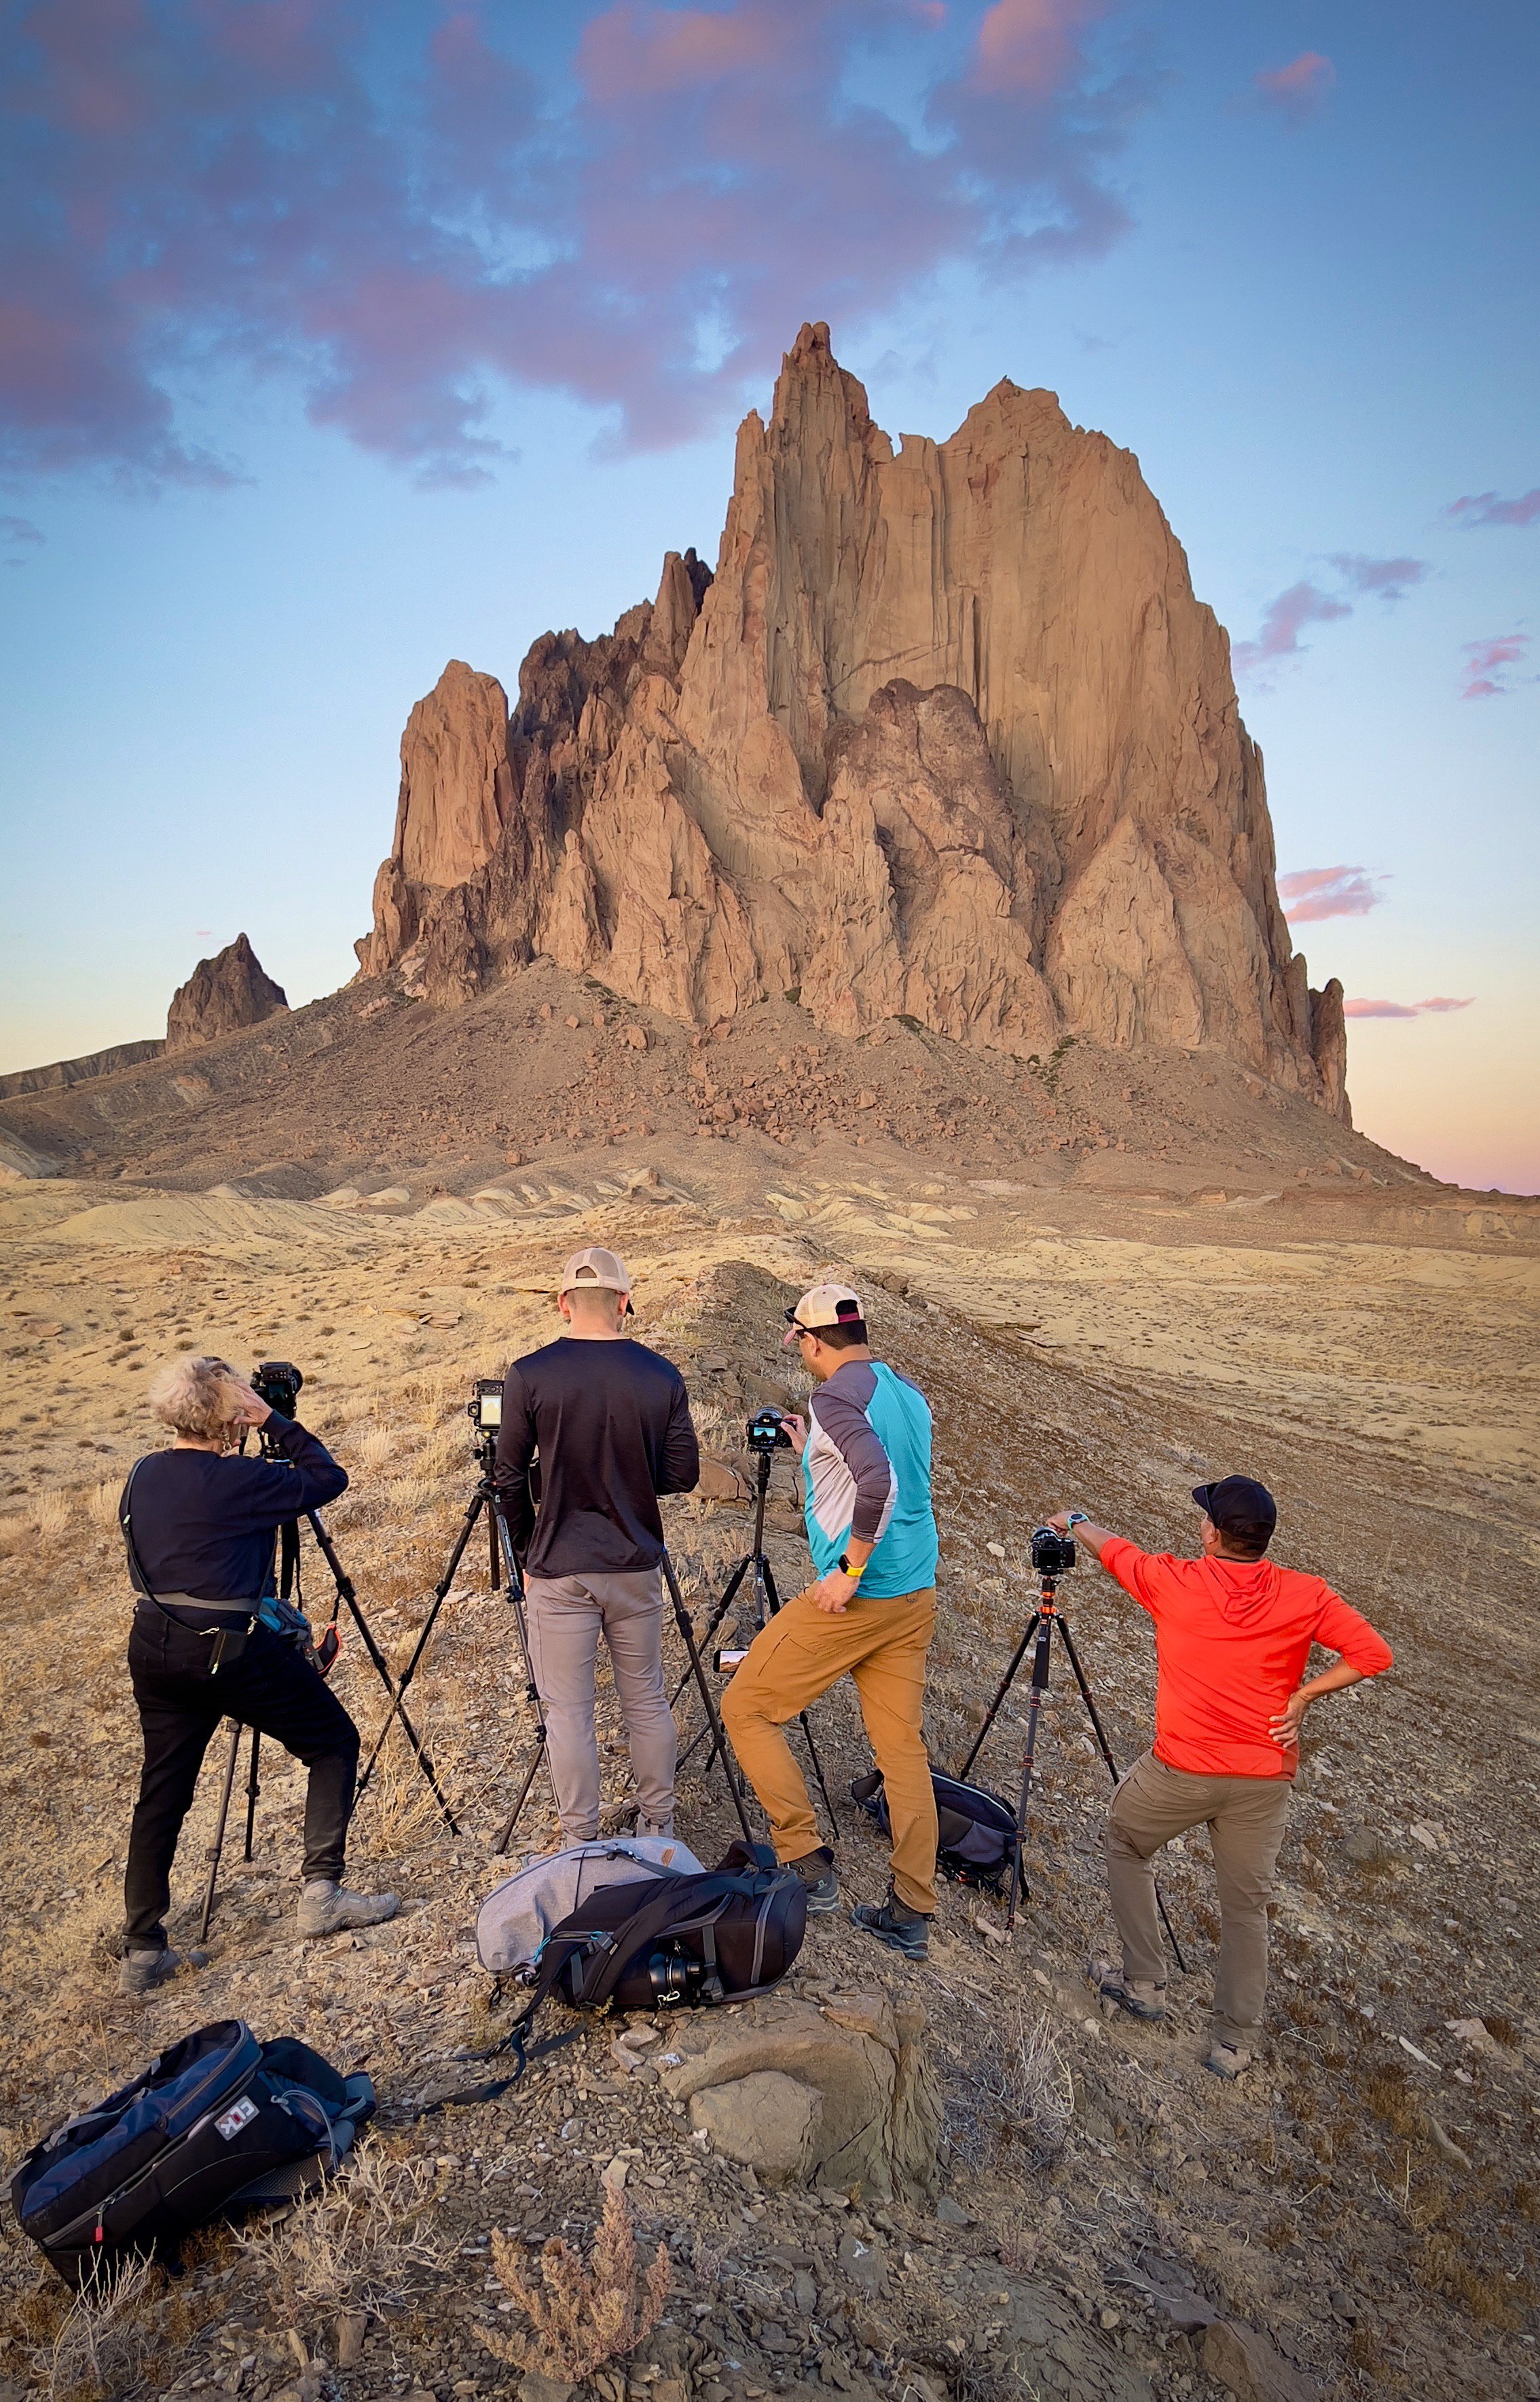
[
  {"x": 138, "y": 1973},
  {"x": 1228, "y": 2059},
  {"x": 326, "y": 1908},
  {"x": 896, "y": 1925},
  {"x": 816, "y": 1871}
]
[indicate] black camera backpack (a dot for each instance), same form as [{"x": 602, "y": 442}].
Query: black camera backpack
[
  {"x": 694, "y": 1940},
  {"x": 219, "y": 2121},
  {"x": 975, "y": 1830}
]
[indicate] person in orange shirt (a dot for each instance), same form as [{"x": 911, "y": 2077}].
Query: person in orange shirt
[{"x": 1232, "y": 1635}]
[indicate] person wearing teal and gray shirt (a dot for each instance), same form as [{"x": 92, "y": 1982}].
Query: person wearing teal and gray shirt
[{"x": 869, "y": 1611}]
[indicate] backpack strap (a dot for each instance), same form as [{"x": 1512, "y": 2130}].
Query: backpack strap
[{"x": 125, "y": 1518}]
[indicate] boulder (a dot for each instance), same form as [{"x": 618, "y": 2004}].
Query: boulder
[
  {"x": 767, "y": 2120},
  {"x": 948, "y": 736},
  {"x": 878, "y": 2124},
  {"x": 221, "y": 996}
]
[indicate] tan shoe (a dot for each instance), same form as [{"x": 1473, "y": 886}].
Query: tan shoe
[
  {"x": 1140, "y": 1996},
  {"x": 326, "y": 1908},
  {"x": 1229, "y": 2060}
]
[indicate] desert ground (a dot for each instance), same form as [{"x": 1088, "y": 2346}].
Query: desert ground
[{"x": 1094, "y": 1325}]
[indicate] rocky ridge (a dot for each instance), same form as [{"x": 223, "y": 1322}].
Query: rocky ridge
[
  {"x": 223, "y": 995},
  {"x": 945, "y": 737}
]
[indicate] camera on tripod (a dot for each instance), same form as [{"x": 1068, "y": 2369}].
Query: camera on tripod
[
  {"x": 278, "y": 1383},
  {"x": 485, "y": 1407},
  {"x": 1052, "y": 1553},
  {"x": 767, "y": 1433}
]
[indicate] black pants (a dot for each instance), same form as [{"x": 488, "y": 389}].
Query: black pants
[{"x": 180, "y": 1704}]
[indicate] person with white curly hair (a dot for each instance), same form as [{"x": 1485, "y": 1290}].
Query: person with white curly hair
[{"x": 200, "y": 1521}]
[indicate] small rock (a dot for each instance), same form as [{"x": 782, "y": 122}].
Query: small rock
[
  {"x": 766, "y": 2120},
  {"x": 637, "y": 1037},
  {"x": 1251, "y": 2367},
  {"x": 864, "y": 2264},
  {"x": 952, "y": 2214},
  {"x": 533, "y": 2387}
]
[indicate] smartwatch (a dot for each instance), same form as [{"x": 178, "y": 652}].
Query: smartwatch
[
  {"x": 1076, "y": 1518},
  {"x": 845, "y": 1568}
]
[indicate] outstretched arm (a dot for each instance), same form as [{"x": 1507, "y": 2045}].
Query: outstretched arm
[{"x": 1095, "y": 1538}]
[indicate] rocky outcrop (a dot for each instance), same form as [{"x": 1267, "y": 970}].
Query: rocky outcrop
[
  {"x": 62, "y": 1073},
  {"x": 946, "y": 736},
  {"x": 221, "y": 996}
]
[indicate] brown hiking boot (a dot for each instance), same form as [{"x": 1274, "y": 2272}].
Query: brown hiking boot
[
  {"x": 1228, "y": 2059},
  {"x": 1141, "y": 1997}
]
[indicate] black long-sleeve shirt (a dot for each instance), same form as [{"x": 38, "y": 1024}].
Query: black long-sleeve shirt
[
  {"x": 611, "y": 1421},
  {"x": 204, "y": 1521}
]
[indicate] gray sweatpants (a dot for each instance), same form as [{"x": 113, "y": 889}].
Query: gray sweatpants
[
  {"x": 1245, "y": 1817},
  {"x": 567, "y": 1615}
]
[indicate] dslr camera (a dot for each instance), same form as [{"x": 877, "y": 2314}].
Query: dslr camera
[
  {"x": 485, "y": 1407},
  {"x": 277, "y": 1382},
  {"x": 1052, "y": 1553},
  {"x": 767, "y": 1433}
]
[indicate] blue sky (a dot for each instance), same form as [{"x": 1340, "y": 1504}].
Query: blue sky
[{"x": 350, "y": 342}]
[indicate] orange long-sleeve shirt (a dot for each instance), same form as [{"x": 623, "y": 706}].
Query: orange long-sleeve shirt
[{"x": 1231, "y": 1639}]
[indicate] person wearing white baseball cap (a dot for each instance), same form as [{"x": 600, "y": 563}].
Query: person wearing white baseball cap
[
  {"x": 611, "y": 1421},
  {"x": 869, "y": 1611}
]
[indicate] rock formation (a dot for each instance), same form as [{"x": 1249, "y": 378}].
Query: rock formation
[
  {"x": 946, "y": 736},
  {"x": 222, "y": 994}
]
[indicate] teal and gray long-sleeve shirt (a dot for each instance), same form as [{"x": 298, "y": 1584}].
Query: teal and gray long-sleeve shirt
[{"x": 867, "y": 1472}]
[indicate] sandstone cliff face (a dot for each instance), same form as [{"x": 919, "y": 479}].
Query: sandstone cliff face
[
  {"x": 946, "y": 734},
  {"x": 222, "y": 994}
]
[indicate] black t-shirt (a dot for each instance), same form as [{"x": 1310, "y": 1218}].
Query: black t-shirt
[
  {"x": 611, "y": 1422},
  {"x": 204, "y": 1521}
]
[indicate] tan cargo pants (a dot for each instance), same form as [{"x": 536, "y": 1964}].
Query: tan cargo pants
[
  {"x": 567, "y": 1616},
  {"x": 1245, "y": 1817},
  {"x": 792, "y": 1662}
]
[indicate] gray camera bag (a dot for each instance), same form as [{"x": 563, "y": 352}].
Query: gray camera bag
[{"x": 517, "y": 1915}]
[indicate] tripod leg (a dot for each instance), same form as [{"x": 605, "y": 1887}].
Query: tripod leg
[
  {"x": 252, "y": 1789},
  {"x": 1034, "y": 1708},
  {"x": 718, "y": 1612},
  {"x": 218, "y": 1844},
  {"x": 543, "y": 1752},
  {"x": 1116, "y": 1772},
  {"x": 719, "y": 1739},
  {"x": 347, "y": 1592},
  {"x": 1004, "y": 1687},
  {"x": 764, "y": 1576},
  {"x": 440, "y": 1594}
]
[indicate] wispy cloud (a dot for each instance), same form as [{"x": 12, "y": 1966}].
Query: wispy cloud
[
  {"x": 1295, "y": 91},
  {"x": 1385, "y": 579},
  {"x": 1282, "y": 622},
  {"x": 1438, "y": 1006},
  {"x": 1309, "y": 893},
  {"x": 408, "y": 211},
  {"x": 19, "y": 539},
  {"x": 1309, "y": 603},
  {"x": 1488, "y": 509},
  {"x": 1488, "y": 671}
]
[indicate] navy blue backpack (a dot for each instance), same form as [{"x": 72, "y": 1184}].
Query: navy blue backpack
[
  {"x": 217, "y": 2122},
  {"x": 976, "y": 1830}
]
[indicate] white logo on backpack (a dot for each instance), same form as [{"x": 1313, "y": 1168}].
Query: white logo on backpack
[{"x": 239, "y": 2115}]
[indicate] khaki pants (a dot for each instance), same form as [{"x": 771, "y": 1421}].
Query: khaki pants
[
  {"x": 792, "y": 1662},
  {"x": 1246, "y": 1816},
  {"x": 567, "y": 1616}
]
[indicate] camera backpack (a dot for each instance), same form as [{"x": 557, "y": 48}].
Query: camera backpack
[
  {"x": 975, "y": 1830},
  {"x": 696, "y": 1941},
  {"x": 219, "y": 2121},
  {"x": 518, "y": 1915}
]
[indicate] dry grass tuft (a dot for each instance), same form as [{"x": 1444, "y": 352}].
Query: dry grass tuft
[
  {"x": 101, "y": 1504},
  {"x": 1027, "y": 2083},
  {"x": 104, "y": 2338},
  {"x": 581, "y": 2314},
  {"x": 360, "y": 2243},
  {"x": 52, "y": 1513},
  {"x": 1445, "y": 2268},
  {"x": 1390, "y": 2097},
  {"x": 377, "y": 1448}
]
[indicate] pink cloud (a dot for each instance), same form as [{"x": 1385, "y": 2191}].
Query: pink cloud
[
  {"x": 1387, "y": 579},
  {"x": 1296, "y": 91},
  {"x": 397, "y": 213},
  {"x": 1486, "y": 663},
  {"x": 1438, "y": 1005},
  {"x": 1309, "y": 893},
  {"x": 1282, "y": 620},
  {"x": 1486, "y": 510}
]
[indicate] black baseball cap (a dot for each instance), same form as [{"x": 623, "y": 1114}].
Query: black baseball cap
[{"x": 1239, "y": 1506}]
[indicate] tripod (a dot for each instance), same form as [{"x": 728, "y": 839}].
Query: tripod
[
  {"x": 483, "y": 1499},
  {"x": 767, "y": 1603},
  {"x": 1038, "y": 1637},
  {"x": 327, "y": 1651}
]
